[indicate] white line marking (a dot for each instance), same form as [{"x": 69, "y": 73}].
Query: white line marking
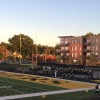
[{"x": 42, "y": 93}]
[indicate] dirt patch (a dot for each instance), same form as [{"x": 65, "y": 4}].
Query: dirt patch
[
  {"x": 24, "y": 78},
  {"x": 36, "y": 77},
  {"x": 56, "y": 82},
  {"x": 33, "y": 79},
  {"x": 44, "y": 79}
]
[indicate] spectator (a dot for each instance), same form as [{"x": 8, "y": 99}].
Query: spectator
[
  {"x": 55, "y": 73},
  {"x": 97, "y": 90}
]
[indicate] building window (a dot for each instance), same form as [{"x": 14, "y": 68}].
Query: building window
[
  {"x": 72, "y": 48},
  {"x": 67, "y": 54},
  {"x": 66, "y": 48},
  {"x": 73, "y": 41},
  {"x": 66, "y": 42},
  {"x": 88, "y": 54},
  {"x": 96, "y": 40},
  {"x": 96, "y": 47},
  {"x": 75, "y": 61},
  {"x": 80, "y": 41},
  {"x": 92, "y": 47},
  {"x": 88, "y": 40},
  {"x": 96, "y": 53},
  {"x": 80, "y": 48},
  {"x": 62, "y": 42},
  {"x": 75, "y": 54},
  {"x": 93, "y": 40},
  {"x": 88, "y": 47},
  {"x": 72, "y": 55},
  {"x": 75, "y": 47},
  {"x": 62, "y": 48},
  {"x": 66, "y": 39},
  {"x": 61, "y": 39},
  {"x": 62, "y": 54}
]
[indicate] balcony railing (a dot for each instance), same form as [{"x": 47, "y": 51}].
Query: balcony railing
[
  {"x": 64, "y": 44},
  {"x": 86, "y": 50},
  {"x": 62, "y": 51},
  {"x": 58, "y": 51},
  {"x": 87, "y": 43}
]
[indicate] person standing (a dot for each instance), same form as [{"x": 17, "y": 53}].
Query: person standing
[
  {"x": 55, "y": 73},
  {"x": 97, "y": 90}
]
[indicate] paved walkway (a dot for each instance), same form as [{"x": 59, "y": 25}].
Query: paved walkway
[{"x": 42, "y": 93}]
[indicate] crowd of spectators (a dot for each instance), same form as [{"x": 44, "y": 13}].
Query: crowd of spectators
[{"x": 53, "y": 71}]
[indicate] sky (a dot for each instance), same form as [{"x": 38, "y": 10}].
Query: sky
[{"x": 48, "y": 19}]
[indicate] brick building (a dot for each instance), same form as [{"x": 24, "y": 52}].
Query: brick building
[{"x": 83, "y": 50}]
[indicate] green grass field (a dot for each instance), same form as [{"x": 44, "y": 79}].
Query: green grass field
[{"x": 10, "y": 87}]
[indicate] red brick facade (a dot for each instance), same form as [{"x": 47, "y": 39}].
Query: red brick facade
[{"x": 80, "y": 49}]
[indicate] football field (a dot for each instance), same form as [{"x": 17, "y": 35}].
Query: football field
[{"x": 31, "y": 87}]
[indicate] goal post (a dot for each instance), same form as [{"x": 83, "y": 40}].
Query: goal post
[{"x": 31, "y": 64}]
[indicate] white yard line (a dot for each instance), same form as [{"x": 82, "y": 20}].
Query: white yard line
[
  {"x": 17, "y": 91},
  {"x": 9, "y": 88},
  {"x": 42, "y": 93}
]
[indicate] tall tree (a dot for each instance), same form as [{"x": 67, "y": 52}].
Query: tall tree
[
  {"x": 98, "y": 34},
  {"x": 3, "y": 49},
  {"x": 1, "y": 56},
  {"x": 26, "y": 44},
  {"x": 93, "y": 59},
  {"x": 89, "y": 34}
]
